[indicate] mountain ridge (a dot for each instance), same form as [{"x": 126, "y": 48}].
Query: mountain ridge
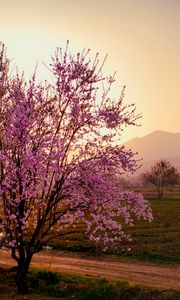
[{"x": 155, "y": 146}]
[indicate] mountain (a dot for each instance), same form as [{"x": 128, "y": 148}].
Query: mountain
[{"x": 155, "y": 146}]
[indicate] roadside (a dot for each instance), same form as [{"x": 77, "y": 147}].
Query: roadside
[{"x": 144, "y": 273}]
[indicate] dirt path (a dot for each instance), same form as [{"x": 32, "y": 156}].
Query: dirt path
[{"x": 147, "y": 274}]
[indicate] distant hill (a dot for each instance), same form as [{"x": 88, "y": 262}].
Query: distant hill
[{"x": 155, "y": 146}]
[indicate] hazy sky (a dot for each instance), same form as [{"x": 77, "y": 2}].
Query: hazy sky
[{"x": 141, "y": 37}]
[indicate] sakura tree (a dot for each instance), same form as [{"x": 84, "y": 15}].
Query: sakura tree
[{"x": 58, "y": 163}]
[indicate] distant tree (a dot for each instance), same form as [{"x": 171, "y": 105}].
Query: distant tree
[
  {"x": 161, "y": 174},
  {"x": 58, "y": 165}
]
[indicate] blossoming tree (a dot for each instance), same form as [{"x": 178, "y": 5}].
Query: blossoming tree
[{"x": 58, "y": 166}]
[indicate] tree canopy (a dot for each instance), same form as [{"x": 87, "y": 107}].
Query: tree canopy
[
  {"x": 161, "y": 174},
  {"x": 58, "y": 165}
]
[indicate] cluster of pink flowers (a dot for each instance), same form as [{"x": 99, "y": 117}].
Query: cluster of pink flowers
[{"x": 57, "y": 167}]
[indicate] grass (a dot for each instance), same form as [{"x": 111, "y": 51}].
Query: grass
[
  {"x": 158, "y": 241},
  {"x": 52, "y": 286}
]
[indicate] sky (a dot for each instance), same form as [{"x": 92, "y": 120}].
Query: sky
[{"x": 141, "y": 38}]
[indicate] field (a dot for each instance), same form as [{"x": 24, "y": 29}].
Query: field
[{"x": 158, "y": 241}]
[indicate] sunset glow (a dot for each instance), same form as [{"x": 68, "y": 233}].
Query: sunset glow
[{"x": 141, "y": 38}]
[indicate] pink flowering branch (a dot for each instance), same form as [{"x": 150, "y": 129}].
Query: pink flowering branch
[{"x": 58, "y": 165}]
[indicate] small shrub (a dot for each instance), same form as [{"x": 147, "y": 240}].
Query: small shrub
[
  {"x": 42, "y": 281},
  {"x": 102, "y": 290},
  {"x": 48, "y": 277}
]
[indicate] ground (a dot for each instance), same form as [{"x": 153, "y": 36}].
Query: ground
[{"x": 144, "y": 273}]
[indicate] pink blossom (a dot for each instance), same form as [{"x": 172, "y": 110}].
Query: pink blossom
[
  {"x": 12, "y": 243},
  {"x": 60, "y": 166}
]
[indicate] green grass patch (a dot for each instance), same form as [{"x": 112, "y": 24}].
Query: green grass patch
[{"x": 160, "y": 239}]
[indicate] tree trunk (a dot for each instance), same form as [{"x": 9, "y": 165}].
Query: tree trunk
[
  {"x": 23, "y": 267},
  {"x": 159, "y": 189}
]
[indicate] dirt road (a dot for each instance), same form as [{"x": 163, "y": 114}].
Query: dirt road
[{"x": 143, "y": 273}]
